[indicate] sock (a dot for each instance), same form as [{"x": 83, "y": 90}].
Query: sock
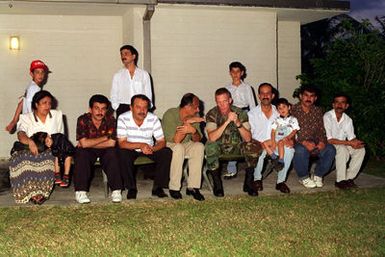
[{"x": 273, "y": 156}]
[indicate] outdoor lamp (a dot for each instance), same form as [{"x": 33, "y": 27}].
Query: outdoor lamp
[{"x": 14, "y": 43}]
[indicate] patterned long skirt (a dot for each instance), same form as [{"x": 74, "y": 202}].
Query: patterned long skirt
[{"x": 31, "y": 175}]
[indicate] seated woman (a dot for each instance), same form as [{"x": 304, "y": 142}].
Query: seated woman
[{"x": 31, "y": 172}]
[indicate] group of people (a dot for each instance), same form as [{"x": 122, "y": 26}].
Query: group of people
[{"x": 235, "y": 126}]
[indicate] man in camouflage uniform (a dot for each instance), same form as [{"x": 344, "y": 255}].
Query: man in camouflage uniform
[{"x": 228, "y": 132}]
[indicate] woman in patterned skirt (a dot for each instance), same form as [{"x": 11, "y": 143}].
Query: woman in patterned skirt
[{"x": 31, "y": 172}]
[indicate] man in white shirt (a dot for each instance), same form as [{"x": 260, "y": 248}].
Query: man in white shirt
[
  {"x": 261, "y": 119},
  {"x": 135, "y": 132},
  {"x": 129, "y": 81},
  {"x": 340, "y": 132},
  {"x": 243, "y": 97}
]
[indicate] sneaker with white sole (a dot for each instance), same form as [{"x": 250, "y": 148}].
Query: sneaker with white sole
[
  {"x": 81, "y": 197},
  {"x": 116, "y": 196},
  {"x": 308, "y": 183},
  {"x": 318, "y": 181}
]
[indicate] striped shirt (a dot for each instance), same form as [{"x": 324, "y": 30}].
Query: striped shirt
[{"x": 151, "y": 128}]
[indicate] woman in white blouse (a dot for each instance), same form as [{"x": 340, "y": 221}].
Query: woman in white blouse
[{"x": 31, "y": 172}]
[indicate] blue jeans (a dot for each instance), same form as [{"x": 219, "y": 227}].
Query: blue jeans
[
  {"x": 324, "y": 163},
  {"x": 289, "y": 153}
]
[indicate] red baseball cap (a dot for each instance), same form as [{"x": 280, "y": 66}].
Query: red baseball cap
[{"x": 37, "y": 64}]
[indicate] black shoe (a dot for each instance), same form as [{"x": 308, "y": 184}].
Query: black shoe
[
  {"x": 218, "y": 192},
  {"x": 195, "y": 193},
  {"x": 341, "y": 185},
  {"x": 159, "y": 192},
  {"x": 175, "y": 194},
  {"x": 257, "y": 185},
  {"x": 217, "y": 181},
  {"x": 350, "y": 183},
  {"x": 131, "y": 193},
  {"x": 277, "y": 165},
  {"x": 248, "y": 183},
  {"x": 282, "y": 187}
]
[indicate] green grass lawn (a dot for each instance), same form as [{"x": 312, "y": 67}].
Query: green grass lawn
[{"x": 336, "y": 223}]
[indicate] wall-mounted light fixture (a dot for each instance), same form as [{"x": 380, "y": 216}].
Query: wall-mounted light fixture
[{"x": 14, "y": 42}]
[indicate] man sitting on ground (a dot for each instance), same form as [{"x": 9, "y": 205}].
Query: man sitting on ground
[{"x": 136, "y": 129}]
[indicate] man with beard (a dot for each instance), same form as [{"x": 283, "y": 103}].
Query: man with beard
[
  {"x": 96, "y": 135},
  {"x": 182, "y": 133},
  {"x": 228, "y": 132},
  {"x": 340, "y": 132},
  {"x": 129, "y": 81},
  {"x": 261, "y": 119},
  {"x": 136, "y": 130},
  {"x": 311, "y": 140}
]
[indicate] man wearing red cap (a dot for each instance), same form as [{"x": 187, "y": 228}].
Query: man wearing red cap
[{"x": 39, "y": 73}]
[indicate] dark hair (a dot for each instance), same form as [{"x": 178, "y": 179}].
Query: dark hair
[
  {"x": 283, "y": 101},
  {"x": 340, "y": 94},
  {"x": 240, "y": 66},
  {"x": 187, "y": 99},
  {"x": 98, "y": 99},
  {"x": 265, "y": 84},
  {"x": 133, "y": 52},
  {"x": 222, "y": 91},
  {"x": 38, "y": 96},
  {"x": 142, "y": 97},
  {"x": 308, "y": 88}
]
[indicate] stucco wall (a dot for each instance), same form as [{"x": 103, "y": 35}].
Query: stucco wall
[{"x": 82, "y": 52}]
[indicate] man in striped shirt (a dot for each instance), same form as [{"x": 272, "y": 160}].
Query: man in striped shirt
[{"x": 136, "y": 131}]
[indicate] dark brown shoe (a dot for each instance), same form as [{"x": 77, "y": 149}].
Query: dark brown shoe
[
  {"x": 283, "y": 188},
  {"x": 257, "y": 185},
  {"x": 342, "y": 185},
  {"x": 350, "y": 183}
]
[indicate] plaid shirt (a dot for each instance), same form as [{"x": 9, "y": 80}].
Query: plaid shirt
[
  {"x": 311, "y": 124},
  {"x": 86, "y": 129}
]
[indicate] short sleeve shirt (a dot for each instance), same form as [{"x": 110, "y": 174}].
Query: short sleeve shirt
[
  {"x": 170, "y": 121},
  {"x": 231, "y": 134},
  {"x": 283, "y": 126},
  {"x": 31, "y": 124},
  {"x": 86, "y": 129}
]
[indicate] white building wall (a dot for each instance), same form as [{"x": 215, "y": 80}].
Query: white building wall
[
  {"x": 192, "y": 47},
  {"x": 289, "y": 57},
  {"x": 82, "y": 52}
]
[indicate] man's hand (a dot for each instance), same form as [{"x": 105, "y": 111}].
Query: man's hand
[
  {"x": 233, "y": 117},
  {"x": 356, "y": 144},
  {"x": 321, "y": 145},
  {"x": 32, "y": 147},
  {"x": 309, "y": 145},
  {"x": 146, "y": 149},
  {"x": 192, "y": 120},
  {"x": 186, "y": 129}
]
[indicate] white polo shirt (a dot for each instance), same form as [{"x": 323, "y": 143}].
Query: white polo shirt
[
  {"x": 260, "y": 124},
  {"x": 31, "y": 124},
  {"x": 242, "y": 95},
  {"x": 341, "y": 130},
  {"x": 151, "y": 127},
  {"x": 124, "y": 87},
  {"x": 31, "y": 90}
]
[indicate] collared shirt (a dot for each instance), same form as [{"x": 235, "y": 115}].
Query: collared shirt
[
  {"x": 170, "y": 121},
  {"x": 260, "y": 124},
  {"x": 283, "y": 126},
  {"x": 124, "y": 87},
  {"x": 230, "y": 135},
  {"x": 31, "y": 90},
  {"x": 311, "y": 123},
  {"x": 31, "y": 124},
  {"x": 242, "y": 95},
  {"x": 342, "y": 129},
  {"x": 151, "y": 127},
  {"x": 85, "y": 128}
]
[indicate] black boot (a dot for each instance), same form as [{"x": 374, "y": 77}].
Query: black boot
[
  {"x": 217, "y": 181},
  {"x": 247, "y": 185}
]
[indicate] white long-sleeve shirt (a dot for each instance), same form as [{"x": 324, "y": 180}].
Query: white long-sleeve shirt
[
  {"x": 124, "y": 87},
  {"x": 341, "y": 130}
]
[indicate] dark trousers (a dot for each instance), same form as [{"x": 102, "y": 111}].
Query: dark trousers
[
  {"x": 85, "y": 159},
  {"x": 162, "y": 159}
]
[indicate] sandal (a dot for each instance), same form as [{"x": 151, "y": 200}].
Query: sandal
[
  {"x": 40, "y": 199},
  {"x": 57, "y": 178},
  {"x": 65, "y": 182}
]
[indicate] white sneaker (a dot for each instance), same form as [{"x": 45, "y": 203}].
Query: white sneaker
[
  {"x": 116, "y": 196},
  {"x": 81, "y": 197},
  {"x": 308, "y": 183},
  {"x": 318, "y": 181}
]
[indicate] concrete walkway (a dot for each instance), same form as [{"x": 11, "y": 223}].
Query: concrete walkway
[{"x": 62, "y": 196}]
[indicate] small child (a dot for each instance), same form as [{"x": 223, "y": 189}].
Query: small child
[
  {"x": 39, "y": 73},
  {"x": 283, "y": 131}
]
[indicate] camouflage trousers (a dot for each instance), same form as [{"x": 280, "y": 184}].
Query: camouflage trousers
[{"x": 250, "y": 151}]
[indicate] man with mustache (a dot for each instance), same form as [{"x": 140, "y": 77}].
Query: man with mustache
[
  {"x": 261, "y": 119},
  {"x": 228, "y": 132},
  {"x": 129, "y": 81},
  {"x": 136, "y": 130},
  {"x": 340, "y": 132},
  {"x": 311, "y": 140},
  {"x": 96, "y": 136}
]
